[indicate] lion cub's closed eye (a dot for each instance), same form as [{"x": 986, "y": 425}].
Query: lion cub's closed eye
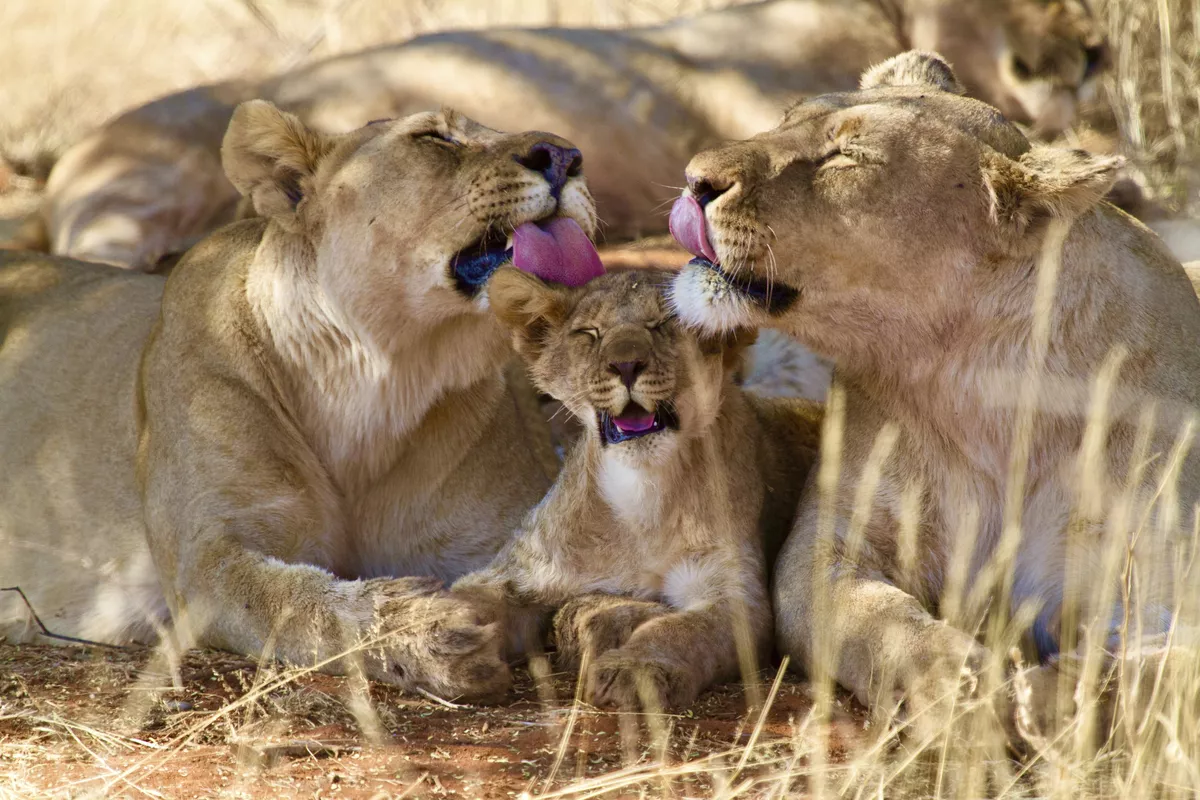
[{"x": 651, "y": 542}]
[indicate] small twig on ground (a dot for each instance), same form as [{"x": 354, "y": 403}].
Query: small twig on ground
[
  {"x": 50, "y": 634},
  {"x": 433, "y": 698}
]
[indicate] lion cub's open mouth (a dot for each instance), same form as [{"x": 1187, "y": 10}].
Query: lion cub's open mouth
[
  {"x": 634, "y": 423},
  {"x": 690, "y": 228},
  {"x": 554, "y": 249}
]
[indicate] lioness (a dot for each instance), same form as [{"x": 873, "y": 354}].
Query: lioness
[
  {"x": 639, "y": 102},
  {"x": 897, "y": 230},
  {"x": 666, "y": 502},
  {"x": 319, "y": 406}
]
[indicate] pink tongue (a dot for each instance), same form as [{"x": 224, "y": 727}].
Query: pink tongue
[
  {"x": 559, "y": 252},
  {"x": 689, "y": 229},
  {"x": 634, "y": 423}
]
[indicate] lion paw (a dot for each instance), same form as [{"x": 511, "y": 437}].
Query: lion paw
[
  {"x": 626, "y": 681},
  {"x": 595, "y": 625},
  {"x": 442, "y": 643}
]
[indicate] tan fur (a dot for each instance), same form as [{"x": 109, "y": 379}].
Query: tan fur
[
  {"x": 638, "y": 102},
  {"x": 910, "y": 221},
  {"x": 668, "y": 528},
  {"x": 316, "y": 409}
]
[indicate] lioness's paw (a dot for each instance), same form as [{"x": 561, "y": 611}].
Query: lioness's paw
[
  {"x": 940, "y": 682},
  {"x": 445, "y": 644},
  {"x": 628, "y": 681},
  {"x": 386, "y": 590},
  {"x": 596, "y": 624}
]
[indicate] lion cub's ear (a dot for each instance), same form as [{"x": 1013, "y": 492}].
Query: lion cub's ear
[
  {"x": 270, "y": 156},
  {"x": 528, "y": 306},
  {"x": 914, "y": 68},
  {"x": 1046, "y": 182}
]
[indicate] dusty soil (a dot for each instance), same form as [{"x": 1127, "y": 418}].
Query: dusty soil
[{"x": 78, "y": 721}]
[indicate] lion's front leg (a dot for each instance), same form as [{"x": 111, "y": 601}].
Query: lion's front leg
[
  {"x": 670, "y": 659},
  {"x": 843, "y": 620},
  {"x": 400, "y": 631},
  {"x": 520, "y": 620}
]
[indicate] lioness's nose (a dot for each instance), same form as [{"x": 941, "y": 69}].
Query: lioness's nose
[
  {"x": 707, "y": 188},
  {"x": 554, "y": 162}
]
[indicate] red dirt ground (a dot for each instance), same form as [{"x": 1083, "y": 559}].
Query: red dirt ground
[{"x": 87, "y": 721}]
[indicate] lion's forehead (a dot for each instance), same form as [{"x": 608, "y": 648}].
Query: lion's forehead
[
  {"x": 620, "y": 309},
  {"x": 625, "y": 297},
  {"x": 815, "y": 118}
]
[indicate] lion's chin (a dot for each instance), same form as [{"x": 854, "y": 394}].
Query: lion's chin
[
  {"x": 771, "y": 296},
  {"x": 707, "y": 297}
]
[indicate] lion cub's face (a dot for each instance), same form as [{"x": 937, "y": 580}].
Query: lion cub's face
[
  {"x": 613, "y": 353},
  {"x": 869, "y": 219},
  {"x": 406, "y": 219}
]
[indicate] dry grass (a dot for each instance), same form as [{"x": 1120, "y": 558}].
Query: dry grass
[
  {"x": 71, "y": 63},
  {"x": 1154, "y": 89}
]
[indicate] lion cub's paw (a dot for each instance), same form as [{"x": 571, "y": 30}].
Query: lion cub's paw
[
  {"x": 443, "y": 643},
  {"x": 596, "y": 624},
  {"x": 623, "y": 680}
]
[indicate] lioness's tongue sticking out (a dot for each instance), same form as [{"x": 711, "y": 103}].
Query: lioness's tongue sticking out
[
  {"x": 688, "y": 226},
  {"x": 560, "y": 252}
]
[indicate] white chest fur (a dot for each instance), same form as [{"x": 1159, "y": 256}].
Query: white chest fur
[{"x": 631, "y": 491}]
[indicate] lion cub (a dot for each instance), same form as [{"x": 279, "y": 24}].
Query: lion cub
[{"x": 652, "y": 540}]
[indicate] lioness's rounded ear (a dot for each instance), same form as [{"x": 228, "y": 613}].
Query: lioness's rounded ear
[
  {"x": 914, "y": 68},
  {"x": 527, "y": 306},
  {"x": 270, "y": 156},
  {"x": 1046, "y": 182}
]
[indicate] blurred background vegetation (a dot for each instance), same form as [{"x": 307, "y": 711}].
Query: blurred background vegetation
[{"x": 70, "y": 64}]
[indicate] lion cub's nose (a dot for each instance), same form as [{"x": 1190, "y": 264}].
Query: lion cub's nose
[
  {"x": 628, "y": 370},
  {"x": 555, "y": 163}
]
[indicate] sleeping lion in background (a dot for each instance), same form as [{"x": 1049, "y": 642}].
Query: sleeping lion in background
[{"x": 639, "y": 103}]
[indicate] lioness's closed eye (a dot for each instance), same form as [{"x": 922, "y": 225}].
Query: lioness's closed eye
[{"x": 651, "y": 541}]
